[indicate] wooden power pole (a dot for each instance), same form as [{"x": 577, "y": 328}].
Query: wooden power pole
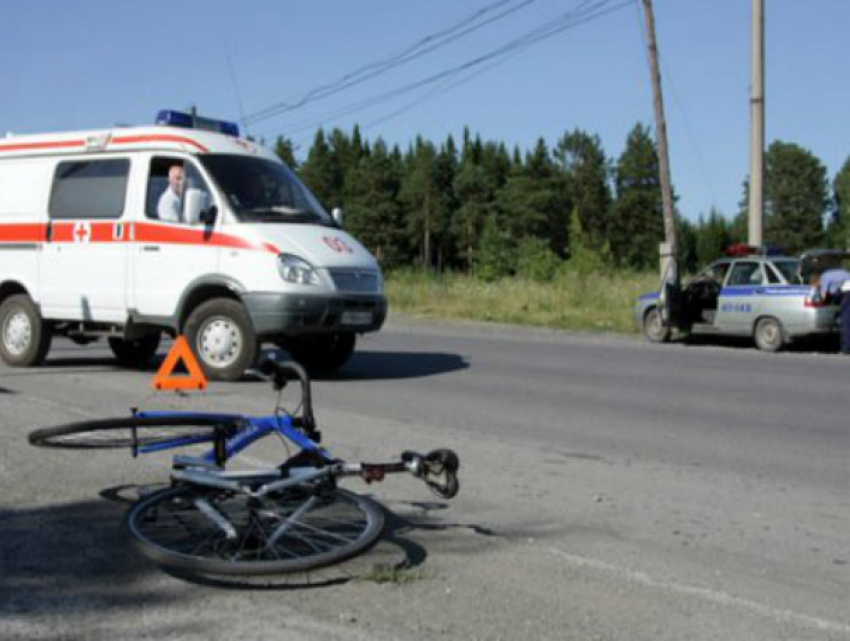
[
  {"x": 756, "y": 204},
  {"x": 668, "y": 249}
]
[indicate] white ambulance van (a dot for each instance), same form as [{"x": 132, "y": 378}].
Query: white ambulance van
[{"x": 179, "y": 228}]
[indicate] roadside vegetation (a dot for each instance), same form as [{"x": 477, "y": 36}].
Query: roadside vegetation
[
  {"x": 561, "y": 234},
  {"x": 572, "y": 300}
]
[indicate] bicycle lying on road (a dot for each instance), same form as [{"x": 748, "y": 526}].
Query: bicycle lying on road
[{"x": 289, "y": 518}]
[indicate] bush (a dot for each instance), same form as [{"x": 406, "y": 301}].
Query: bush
[
  {"x": 495, "y": 256},
  {"x": 537, "y": 261},
  {"x": 586, "y": 259}
]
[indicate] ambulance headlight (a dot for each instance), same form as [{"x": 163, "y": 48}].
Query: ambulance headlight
[{"x": 295, "y": 270}]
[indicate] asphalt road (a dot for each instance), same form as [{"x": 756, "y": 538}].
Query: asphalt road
[{"x": 611, "y": 489}]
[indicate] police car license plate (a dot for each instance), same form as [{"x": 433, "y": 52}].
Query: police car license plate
[{"x": 356, "y": 318}]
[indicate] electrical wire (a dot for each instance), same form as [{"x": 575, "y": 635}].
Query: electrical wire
[
  {"x": 583, "y": 13},
  {"x": 422, "y": 47}
]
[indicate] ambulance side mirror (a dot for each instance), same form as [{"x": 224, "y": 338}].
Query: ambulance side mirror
[
  {"x": 198, "y": 209},
  {"x": 337, "y": 215}
]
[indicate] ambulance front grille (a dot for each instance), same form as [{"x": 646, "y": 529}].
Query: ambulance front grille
[{"x": 358, "y": 281}]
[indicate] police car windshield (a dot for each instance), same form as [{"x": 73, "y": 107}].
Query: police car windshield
[{"x": 264, "y": 191}]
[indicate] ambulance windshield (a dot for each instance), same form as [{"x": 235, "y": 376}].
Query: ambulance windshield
[{"x": 263, "y": 191}]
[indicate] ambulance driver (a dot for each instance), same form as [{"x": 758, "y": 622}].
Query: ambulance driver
[{"x": 171, "y": 201}]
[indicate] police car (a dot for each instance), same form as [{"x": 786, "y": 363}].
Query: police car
[{"x": 750, "y": 292}]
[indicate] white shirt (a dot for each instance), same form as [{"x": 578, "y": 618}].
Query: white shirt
[{"x": 169, "y": 206}]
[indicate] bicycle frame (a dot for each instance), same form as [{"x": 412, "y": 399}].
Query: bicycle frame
[{"x": 251, "y": 429}]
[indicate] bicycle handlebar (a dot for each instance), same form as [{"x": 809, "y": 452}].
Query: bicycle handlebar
[{"x": 280, "y": 371}]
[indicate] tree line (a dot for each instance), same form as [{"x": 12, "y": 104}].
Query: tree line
[{"x": 477, "y": 206}]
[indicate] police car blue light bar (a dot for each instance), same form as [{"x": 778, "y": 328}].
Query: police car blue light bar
[{"x": 173, "y": 118}]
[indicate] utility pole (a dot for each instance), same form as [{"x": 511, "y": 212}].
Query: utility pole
[
  {"x": 756, "y": 209},
  {"x": 668, "y": 249}
]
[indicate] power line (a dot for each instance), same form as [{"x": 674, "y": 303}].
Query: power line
[
  {"x": 235, "y": 85},
  {"x": 422, "y": 47},
  {"x": 583, "y": 13}
]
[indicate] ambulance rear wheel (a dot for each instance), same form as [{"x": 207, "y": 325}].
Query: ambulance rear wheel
[
  {"x": 222, "y": 338},
  {"x": 135, "y": 353},
  {"x": 24, "y": 336}
]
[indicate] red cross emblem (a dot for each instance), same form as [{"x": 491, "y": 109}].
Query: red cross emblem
[
  {"x": 82, "y": 232},
  {"x": 337, "y": 244}
]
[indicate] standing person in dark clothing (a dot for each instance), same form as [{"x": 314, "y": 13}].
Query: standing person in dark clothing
[{"x": 835, "y": 286}]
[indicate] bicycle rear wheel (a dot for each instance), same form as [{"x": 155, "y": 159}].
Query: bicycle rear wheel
[
  {"x": 127, "y": 432},
  {"x": 209, "y": 531}
]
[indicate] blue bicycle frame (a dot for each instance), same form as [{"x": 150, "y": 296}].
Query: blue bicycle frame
[{"x": 251, "y": 428}]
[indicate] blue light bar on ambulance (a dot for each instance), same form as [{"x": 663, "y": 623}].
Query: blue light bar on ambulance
[{"x": 191, "y": 121}]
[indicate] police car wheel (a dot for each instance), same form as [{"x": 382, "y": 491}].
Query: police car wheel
[
  {"x": 653, "y": 327},
  {"x": 24, "y": 336},
  {"x": 222, "y": 338},
  {"x": 769, "y": 335}
]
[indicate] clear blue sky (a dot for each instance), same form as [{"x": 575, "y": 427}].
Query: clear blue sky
[{"x": 96, "y": 63}]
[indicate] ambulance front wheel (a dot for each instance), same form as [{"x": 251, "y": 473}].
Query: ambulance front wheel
[
  {"x": 222, "y": 338},
  {"x": 24, "y": 335}
]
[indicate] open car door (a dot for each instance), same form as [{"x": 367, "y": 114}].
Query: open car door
[
  {"x": 670, "y": 295},
  {"x": 814, "y": 262}
]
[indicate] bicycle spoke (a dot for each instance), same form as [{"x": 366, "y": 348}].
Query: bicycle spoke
[{"x": 284, "y": 533}]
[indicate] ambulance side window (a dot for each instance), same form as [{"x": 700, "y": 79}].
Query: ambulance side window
[
  {"x": 168, "y": 182},
  {"x": 89, "y": 189}
]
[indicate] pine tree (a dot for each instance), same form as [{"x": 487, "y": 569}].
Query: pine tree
[
  {"x": 323, "y": 173},
  {"x": 285, "y": 150},
  {"x": 713, "y": 237},
  {"x": 796, "y": 197},
  {"x": 420, "y": 198},
  {"x": 533, "y": 201},
  {"x": 588, "y": 180},
  {"x": 474, "y": 189},
  {"x": 839, "y": 228},
  {"x": 495, "y": 258},
  {"x": 373, "y": 212},
  {"x": 446, "y": 167},
  {"x": 637, "y": 225}
]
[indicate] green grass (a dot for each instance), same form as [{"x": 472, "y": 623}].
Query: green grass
[{"x": 595, "y": 302}]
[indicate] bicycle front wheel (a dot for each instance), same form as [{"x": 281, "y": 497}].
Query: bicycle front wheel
[
  {"x": 128, "y": 432},
  {"x": 219, "y": 532}
]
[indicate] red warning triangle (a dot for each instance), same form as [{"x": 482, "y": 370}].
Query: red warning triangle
[{"x": 165, "y": 380}]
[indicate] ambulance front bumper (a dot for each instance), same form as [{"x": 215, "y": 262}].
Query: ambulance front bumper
[{"x": 292, "y": 314}]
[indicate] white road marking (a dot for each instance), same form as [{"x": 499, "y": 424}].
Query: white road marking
[{"x": 706, "y": 594}]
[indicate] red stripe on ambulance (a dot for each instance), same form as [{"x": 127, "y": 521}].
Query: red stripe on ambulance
[{"x": 23, "y": 233}]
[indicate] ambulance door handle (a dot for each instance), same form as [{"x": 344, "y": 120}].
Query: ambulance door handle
[{"x": 150, "y": 248}]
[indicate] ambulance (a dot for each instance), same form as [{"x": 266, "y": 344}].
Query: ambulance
[{"x": 181, "y": 228}]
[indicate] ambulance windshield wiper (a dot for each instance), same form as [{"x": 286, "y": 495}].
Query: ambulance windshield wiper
[{"x": 275, "y": 213}]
